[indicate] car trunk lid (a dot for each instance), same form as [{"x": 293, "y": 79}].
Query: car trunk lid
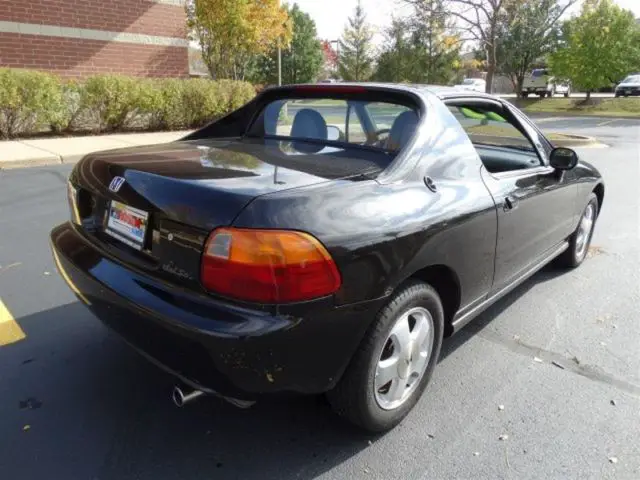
[{"x": 153, "y": 207}]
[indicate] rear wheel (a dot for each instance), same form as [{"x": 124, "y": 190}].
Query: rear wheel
[
  {"x": 580, "y": 240},
  {"x": 395, "y": 361}
]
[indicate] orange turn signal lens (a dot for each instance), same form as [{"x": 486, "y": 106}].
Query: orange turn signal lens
[{"x": 268, "y": 266}]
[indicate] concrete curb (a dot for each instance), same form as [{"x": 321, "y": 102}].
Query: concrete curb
[
  {"x": 69, "y": 150},
  {"x": 537, "y": 114},
  {"x": 574, "y": 141}
]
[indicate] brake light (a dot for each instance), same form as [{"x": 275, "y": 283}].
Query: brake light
[
  {"x": 268, "y": 266},
  {"x": 329, "y": 88}
]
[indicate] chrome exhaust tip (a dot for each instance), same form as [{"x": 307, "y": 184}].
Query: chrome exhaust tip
[{"x": 181, "y": 397}]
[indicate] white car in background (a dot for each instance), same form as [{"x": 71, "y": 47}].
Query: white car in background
[
  {"x": 629, "y": 86},
  {"x": 540, "y": 82},
  {"x": 473, "y": 84}
]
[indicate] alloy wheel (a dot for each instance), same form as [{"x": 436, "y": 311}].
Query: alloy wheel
[
  {"x": 584, "y": 230},
  {"x": 404, "y": 358}
]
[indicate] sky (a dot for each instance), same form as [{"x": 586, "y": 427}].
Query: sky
[{"x": 331, "y": 15}]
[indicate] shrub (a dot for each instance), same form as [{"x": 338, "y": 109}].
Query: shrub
[
  {"x": 70, "y": 108},
  {"x": 234, "y": 94},
  {"x": 29, "y": 101},
  {"x": 164, "y": 104},
  {"x": 32, "y": 101},
  {"x": 202, "y": 101},
  {"x": 112, "y": 100}
]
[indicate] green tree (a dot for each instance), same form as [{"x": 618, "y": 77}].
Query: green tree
[
  {"x": 437, "y": 49},
  {"x": 599, "y": 47},
  {"x": 532, "y": 34},
  {"x": 394, "y": 61},
  {"x": 422, "y": 49},
  {"x": 301, "y": 62},
  {"x": 232, "y": 32},
  {"x": 355, "y": 61},
  {"x": 479, "y": 21}
]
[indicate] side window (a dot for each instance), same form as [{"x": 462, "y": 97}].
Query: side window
[{"x": 501, "y": 145}]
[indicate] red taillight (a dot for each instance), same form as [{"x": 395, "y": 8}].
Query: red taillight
[
  {"x": 329, "y": 88},
  {"x": 268, "y": 266}
]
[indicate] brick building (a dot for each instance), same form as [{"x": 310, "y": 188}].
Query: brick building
[{"x": 76, "y": 38}]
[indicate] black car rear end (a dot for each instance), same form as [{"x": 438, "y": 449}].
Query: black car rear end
[{"x": 152, "y": 250}]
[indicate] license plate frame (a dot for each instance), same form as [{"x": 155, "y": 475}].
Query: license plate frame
[{"x": 127, "y": 224}]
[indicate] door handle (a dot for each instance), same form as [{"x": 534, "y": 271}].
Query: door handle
[{"x": 510, "y": 203}]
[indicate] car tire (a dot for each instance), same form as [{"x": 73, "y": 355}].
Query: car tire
[
  {"x": 359, "y": 397},
  {"x": 580, "y": 240},
  {"x": 567, "y": 95}
]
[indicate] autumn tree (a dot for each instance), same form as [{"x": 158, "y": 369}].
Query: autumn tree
[
  {"x": 531, "y": 34},
  {"x": 303, "y": 59},
  {"x": 599, "y": 47},
  {"x": 232, "y": 32},
  {"x": 330, "y": 64},
  {"x": 355, "y": 62}
]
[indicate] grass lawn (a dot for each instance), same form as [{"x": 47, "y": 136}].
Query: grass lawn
[
  {"x": 605, "y": 107},
  {"x": 509, "y": 132}
]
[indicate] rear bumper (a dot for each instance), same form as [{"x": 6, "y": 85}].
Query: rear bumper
[
  {"x": 213, "y": 345},
  {"x": 630, "y": 93}
]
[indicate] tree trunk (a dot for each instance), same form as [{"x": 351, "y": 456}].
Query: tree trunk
[
  {"x": 520, "y": 83},
  {"x": 588, "y": 95},
  {"x": 491, "y": 66}
]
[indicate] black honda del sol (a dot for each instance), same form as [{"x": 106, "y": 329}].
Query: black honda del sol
[{"x": 322, "y": 239}]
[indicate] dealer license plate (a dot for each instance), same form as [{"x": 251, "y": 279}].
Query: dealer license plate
[{"x": 127, "y": 224}]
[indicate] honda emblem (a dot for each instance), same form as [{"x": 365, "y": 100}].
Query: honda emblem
[{"x": 116, "y": 184}]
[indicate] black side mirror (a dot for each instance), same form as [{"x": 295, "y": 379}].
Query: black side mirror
[{"x": 563, "y": 158}]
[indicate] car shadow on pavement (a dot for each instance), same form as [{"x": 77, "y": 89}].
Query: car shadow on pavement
[
  {"x": 78, "y": 403},
  {"x": 483, "y": 320}
]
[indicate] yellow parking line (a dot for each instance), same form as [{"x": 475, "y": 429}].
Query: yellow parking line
[{"x": 10, "y": 331}]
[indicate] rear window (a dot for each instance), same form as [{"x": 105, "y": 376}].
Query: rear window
[
  {"x": 540, "y": 73},
  {"x": 632, "y": 79},
  {"x": 311, "y": 124}
]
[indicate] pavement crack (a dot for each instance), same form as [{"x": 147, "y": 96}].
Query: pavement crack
[{"x": 573, "y": 364}]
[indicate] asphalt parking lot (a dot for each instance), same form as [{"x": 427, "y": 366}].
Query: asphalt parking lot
[{"x": 561, "y": 355}]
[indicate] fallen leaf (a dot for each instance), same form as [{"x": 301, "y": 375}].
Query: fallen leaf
[
  {"x": 613, "y": 402},
  {"x": 370, "y": 442},
  {"x": 613, "y": 459},
  {"x": 614, "y": 325},
  {"x": 500, "y": 407},
  {"x": 366, "y": 470},
  {"x": 475, "y": 454},
  {"x": 431, "y": 436},
  {"x": 536, "y": 359},
  {"x": 269, "y": 377},
  {"x": 516, "y": 337},
  {"x": 47, "y": 273},
  {"x": 504, "y": 436},
  {"x": 26, "y": 427}
]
